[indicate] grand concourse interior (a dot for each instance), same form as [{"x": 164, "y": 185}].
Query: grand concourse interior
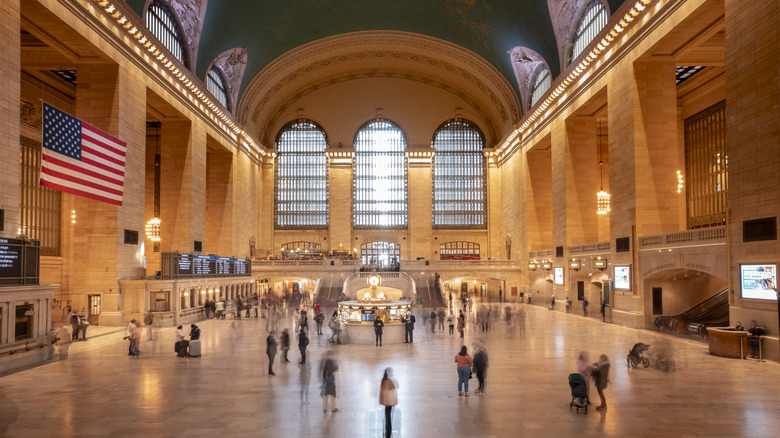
[{"x": 619, "y": 153}]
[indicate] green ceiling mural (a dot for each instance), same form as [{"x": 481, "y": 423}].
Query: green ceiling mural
[{"x": 269, "y": 28}]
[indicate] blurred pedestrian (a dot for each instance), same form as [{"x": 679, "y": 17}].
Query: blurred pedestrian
[
  {"x": 461, "y": 323},
  {"x": 284, "y": 343},
  {"x": 600, "y": 374},
  {"x": 270, "y": 350},
  {"x": 378, "y": 324},
  {"x": 328, "y": 368},
  {"x": 303, "y": 341},
  {"x": 388, "y": 398},
  {"x": 480, "y": 364},
  {"x": 148, "y": 322}
]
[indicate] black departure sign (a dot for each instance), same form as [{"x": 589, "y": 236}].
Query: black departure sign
[
  {"x": 176, "y": 265},
  {"x": 19, "y": 261}
]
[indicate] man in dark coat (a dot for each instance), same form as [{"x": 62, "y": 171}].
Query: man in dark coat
[
  {"x": 409, "y": 321},
  {"x": 480, "y": 364},
  {"x": 270, "y": 350}
]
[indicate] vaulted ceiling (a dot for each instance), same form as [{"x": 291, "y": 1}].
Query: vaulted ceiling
[{"x": 270, "y": 28}]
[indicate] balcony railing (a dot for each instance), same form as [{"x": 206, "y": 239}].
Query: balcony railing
[{"x": 701, "y": 236}]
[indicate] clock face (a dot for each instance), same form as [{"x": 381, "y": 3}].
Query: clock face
[{"x": 374, "y": 281}]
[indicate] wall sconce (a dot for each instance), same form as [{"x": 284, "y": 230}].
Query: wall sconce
[
  {"x": 532, "y": 265},
  {"x": 575, "y": 264},
  {"x": 153, "y": 229},
  {"x": 600, "y": 263},
  {"x": 680, "y": 180},
  {"x": 546, "y": 264},
  {"x": 73, "y": 216}
]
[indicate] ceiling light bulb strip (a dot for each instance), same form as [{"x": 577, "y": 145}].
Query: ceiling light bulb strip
[
  {"x": 595, "y": 53},
  {"x": 207, "y": 106}
]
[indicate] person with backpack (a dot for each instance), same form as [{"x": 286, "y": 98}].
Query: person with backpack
[
  {"x": 303, "y": 341},
  {"x": 318, "y": 318}
]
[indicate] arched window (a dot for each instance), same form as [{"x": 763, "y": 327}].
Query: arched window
[
  {"x": 459, "y": 169},
  {"x": 542, "y": 83},
  {"x": 301, "y": 249},
  {"x": 301, "y": 189},
  {"x": 216, "y": 86},
  {"x": 380, "y": 255},
  {"x": 380, "y": 198},
  {"x": 459, "y": 250},
  {"x": 593, "y": 20},
  {"x": 163, "y": 25}
]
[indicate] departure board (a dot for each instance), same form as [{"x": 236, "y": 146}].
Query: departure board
[
  {"x": 19, "y": 261},
  {"x": 176, "y": 265}
]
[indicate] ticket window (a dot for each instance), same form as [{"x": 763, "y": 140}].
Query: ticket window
[
  {"x": 184, "y": 298},
  {"x": 23, "y": 323},
  {"x": 160, "y": 301}
]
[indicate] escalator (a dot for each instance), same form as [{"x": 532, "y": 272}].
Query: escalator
[{"x": 712, "y": 312}]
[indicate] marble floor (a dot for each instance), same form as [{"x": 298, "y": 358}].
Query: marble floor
[{"x": 99, "y": 391}]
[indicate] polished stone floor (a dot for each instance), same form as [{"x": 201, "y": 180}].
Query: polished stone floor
[{"x": 99, "y": 391}]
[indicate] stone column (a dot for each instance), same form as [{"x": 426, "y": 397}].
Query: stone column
[
  {"x": 340, "y": 206},
  {"x": 753, "y": 145},
  {"x": 219, "y": 203},
  {"x": 111, "y": 99},
  {"x": 10, "y": 95},
  {"x": 420, "y": 214}
]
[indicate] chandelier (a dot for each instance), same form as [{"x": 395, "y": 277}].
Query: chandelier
[
  {"x": 602, "y": 197},
  {"x": 153, "y": 229}
]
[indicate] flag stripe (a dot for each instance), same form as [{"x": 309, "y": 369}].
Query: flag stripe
[
  {"x": 78, "y": 182},
  {"x": 67, "y": 188},
  {"x": 89, "y": 158},
  {"x": 116, "y": 147},
  {"x": 66, "y": 172},
  {"x": 96, "y": 150},
  {"x": 81, "y": 159},
  {"x": 66, "y": 165}
]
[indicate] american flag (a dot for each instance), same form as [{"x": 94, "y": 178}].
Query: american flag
[{"x": 81, "y": 159}]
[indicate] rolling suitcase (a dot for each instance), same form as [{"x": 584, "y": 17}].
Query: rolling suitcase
[{"x": 195, "y": 348}]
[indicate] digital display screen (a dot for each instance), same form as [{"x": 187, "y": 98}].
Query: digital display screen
[
  {"x": 622, "y": 277},
  {"x": 757, "y": 281},
  {"x": 177, "y": 265},
  {"x": 19, "y": 261},
  {"x": 558, "y": 275}
]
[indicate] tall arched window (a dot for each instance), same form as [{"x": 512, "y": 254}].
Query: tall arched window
[
  {"x": 542, "y": 82},
  {"x": 216, "y": 86},
  {"x": 380, "y": 198},
  {"x": 301, "y": 189},
  {"x": 459, "y": 190},
  {"x": 163, "y": 25},
  {"x": 593, "y": 20}
]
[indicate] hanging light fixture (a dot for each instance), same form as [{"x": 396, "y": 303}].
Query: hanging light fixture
[
  {"x": 602, "y": 197},
  {"x": 153, "y": 229}
]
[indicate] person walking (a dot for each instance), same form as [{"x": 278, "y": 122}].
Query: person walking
[
  {"x": 148, "y": 322},
  {"x": 135, "y": 338},
  {"x": 440, "y": 318},
  {"x": 378, "y": 324},
  {"x": 600, "y": 375},
  {"x": 408, "y": 321},
  {"x": 305, "y": 380},
  {"x": 463, "y": 363},
  {"x": 388, "y": 398},
  {"x": 75, "y": 325},
  {"x": 432, "y": 321},
  {"x": 84, "y": 324},
  {"x": 480, "y": 364},
  {"x": 303, "y": 341},
  {"x": 270, "y": 350},
  {"x": 239, "y": 308},
  {"x": 451, "y": 324},
  {"x": 328, "y": 368},
  {"x": 318, "y": 318},
  {"x": 583, "y": 368},
  {"x": 284, "y": 341},
  {"x": 461, "y": 324}
]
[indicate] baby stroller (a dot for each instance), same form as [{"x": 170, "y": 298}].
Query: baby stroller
[
  {"x": 636, "y": 356},
  {"x": 579, "y": 392}
]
